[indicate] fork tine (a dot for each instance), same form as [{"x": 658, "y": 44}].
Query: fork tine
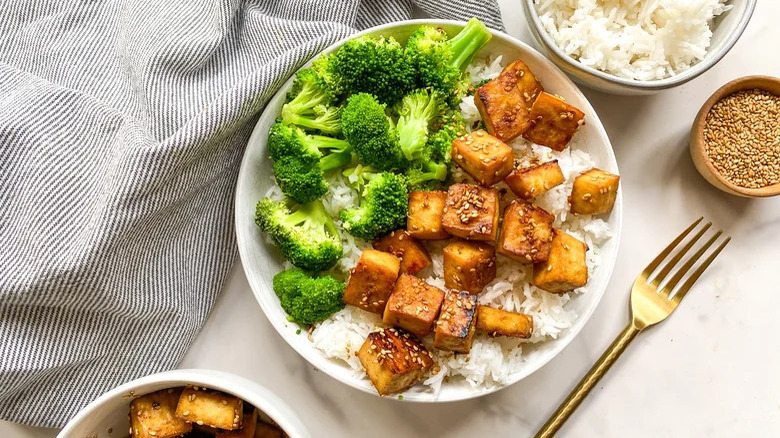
[
  {"x": 680, "y": 294},
  {"x": 676, "y": 259},
  {"x": 689, "y": 264},
  {"x": 657, "y": 261}
]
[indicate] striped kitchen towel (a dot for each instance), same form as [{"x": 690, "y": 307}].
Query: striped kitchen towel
[{"x": 122, "y": 124}]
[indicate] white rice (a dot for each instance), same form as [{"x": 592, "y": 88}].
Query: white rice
[
  {"x": 634, "y": 39},
  {"x": 492, "y": 361}
]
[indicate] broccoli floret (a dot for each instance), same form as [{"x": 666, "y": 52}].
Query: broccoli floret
[
  {"x": 440, "y": 62},
  {"x": 440, "y": 142},
  {"x": 374, "y": 65},
  {"x": 430, "y": 175},
  {"x": 417, "y": 113},
  {"x": 383, "y": 206},
  {"x": 301, "y": 161},
  {"x": 305, "y": 234},
  {"x": 371, "y": 132},
  {"x": 309, "y": 102},
  {"x": 308, "y": 299}
]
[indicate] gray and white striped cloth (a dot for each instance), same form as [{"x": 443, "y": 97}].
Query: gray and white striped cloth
[{"x": 122, "y": 124}]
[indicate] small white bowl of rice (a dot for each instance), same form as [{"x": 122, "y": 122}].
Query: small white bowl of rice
[{"x": 634, "y": 47}]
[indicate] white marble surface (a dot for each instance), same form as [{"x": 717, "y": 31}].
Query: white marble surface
[{"x": 708, "y": 371}]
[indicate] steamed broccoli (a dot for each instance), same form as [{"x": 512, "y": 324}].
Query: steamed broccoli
[
  {"x": 430, "y": 175},
  {"x": 371, "y": 132},
  {"x": 440, "y": 142},
  {"x": 308, "y": 299},
  {"x": 305, "y": 234},
  {"x": 374, "y": 65},
  {"x": 440, "y": 62},
  {"x": 383, "y": 206},
  {"x": 301, "y": 161},
  {"x": 309, "y": 101},
  {"x": 417, "y": 113}
]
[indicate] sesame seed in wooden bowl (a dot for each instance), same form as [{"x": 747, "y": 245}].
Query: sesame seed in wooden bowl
[{"x": 735, "y": 138}]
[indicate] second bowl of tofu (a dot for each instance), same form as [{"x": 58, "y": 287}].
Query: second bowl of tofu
[{"x": 187, "y": 403}]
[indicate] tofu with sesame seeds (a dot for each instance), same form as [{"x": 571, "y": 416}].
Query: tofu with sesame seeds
[
  {"x": 413, "y": 305},
  {"x": 594, "y": 192},
  {"x": 530, "y": 182},
  {"x": 394, "y": 360},
  {"x": 502, "y": 323},
  {"x": 471, "y": 212},
  {"x": 455, "y": 327},
  {"x": 526, "y": 232},
  {"x": 154, "y": 415},
  {"x": 565, "y": 269},
  {"x": 553, "y": 122},
  {"x": 505, "y": 102},
  {"x": 414, "y": 257},
  {"x": 210, "y": 408},
  {"x": 486, "y": 158},
  {"x": 247, "y": 428},
  {"x": 371, "y": 281},
  {"x": 425, "y": 213},
  {"x": 469, "y": 266}
]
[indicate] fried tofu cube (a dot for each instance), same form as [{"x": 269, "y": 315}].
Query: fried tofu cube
[
  {"x": 413, "y": 305},
  {"x": 484, "y": 157},
  {"x": 471, "y": 212},
  {"x": 394, "y": 360},
  {"x": 594, "y": 192},
  {"x": 456, "y": 324},
  {"x": 505, "y": 102},
  {"x": 265, "y": 430},
  {"x": 371, "y": 281},
  {"x": 247, "y": 429},
  {"x": 154, "y": 415},
  {"x": 526, "y": 232},
  {"x": 553, "y": 122},
  {"x": 565, "y": 269},
  {"x": 210, "y": 408},
  {"x": 425, "y": 213},
  {"x": 469, "y": 266},
  {"x": 502, "y": 323},
  {"x": 533, "y": 181},
  {"x": 414, "y": 257}
]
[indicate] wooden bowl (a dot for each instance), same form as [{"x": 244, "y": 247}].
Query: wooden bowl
[{"x": 698, "y": 153}]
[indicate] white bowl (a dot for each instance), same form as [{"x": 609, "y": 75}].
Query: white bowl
[
  {"x": 262, "y": 261},
  {"x": 110, "y": 411},
  {"x": 726, "y": 30}
]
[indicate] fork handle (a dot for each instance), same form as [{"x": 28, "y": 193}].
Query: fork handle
[{"x": 588, "y": 382}]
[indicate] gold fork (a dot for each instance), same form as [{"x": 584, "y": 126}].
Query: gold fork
[{"x": 650, "y": 304}]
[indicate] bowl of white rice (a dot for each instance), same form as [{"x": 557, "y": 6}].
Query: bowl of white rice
[
  {"x": 635, "y": 47},
  {"x": 493, "y": 363}
]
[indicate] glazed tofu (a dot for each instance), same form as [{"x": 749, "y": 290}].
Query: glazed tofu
[
  {"x": 425, "y": 213},
  {"x": 469, "y": 266},
  {"x": 371, "y": 281},
  {"x": 565, "y": 268},
  {"x": 526, "y": 232},
  {"x": 247, "y": 430},
  {"x": 265, "y": 430},
  {"x": 554, "y": 122},
  {"x": 505, "y": 102},
  {"x": 484, "y": 157},
  {"x": 456, "y": 324},
  {"x": 210, "y": 408},
  {"x": 501, "y": 323},
  {"x": 394, "y": 360},
  {"x": 530, "y": 182},
  {"x": 471, "y": 212},
  {"x": 413, "y": 305},
  {"x": 154, "y": 415},
  {"x": 414, "y": 257},
  {"x": 594, "y": 192}
]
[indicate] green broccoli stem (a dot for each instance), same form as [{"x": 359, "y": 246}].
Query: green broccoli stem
[
  {"x": 329, "y": 143},
  {"x": 466, "y": 43},
  {"x": 437, "y": 170},
  {"x": 412, "y": 136},
  {"x": 314, "y": 215},
  {"x": 308, "y": 98},
  {"x": 334, "y": 161}
]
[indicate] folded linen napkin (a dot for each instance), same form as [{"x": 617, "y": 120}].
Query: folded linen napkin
[{"x": 122, "y": 124}]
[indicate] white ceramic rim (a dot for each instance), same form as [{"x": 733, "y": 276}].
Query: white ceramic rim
[
  {"x": 538, "y": 30},
  {"x": 572, "y": 332},
  {"x": 249, "y": 391}
]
